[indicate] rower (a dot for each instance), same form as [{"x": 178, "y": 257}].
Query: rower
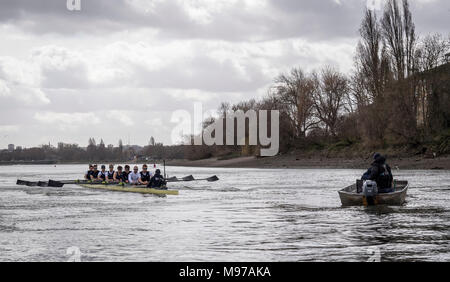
[
  {"x": 88, "y": 174},
  {"x": 133, "y": 176},
  {"x": 157, "y": 181},
  {"x": 145, "y": 175},
  {"x": 95, "y": 172},
  {"x": 102, "y": 174},
  {"x": 118, "y": 175},
  {"x": 110, "y": 174},
  {"x": 125, "y": 173}
]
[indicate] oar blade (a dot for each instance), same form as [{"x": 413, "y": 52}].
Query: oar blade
[
  {"x": 21, "y": 182},
  {"x": 172, "y": 179},
  {"x": 31, "y": 183},
  {"x": 188, "y": 178},
  {"x": 42, "y": 183},
  {"x": 212, "y": 178}
]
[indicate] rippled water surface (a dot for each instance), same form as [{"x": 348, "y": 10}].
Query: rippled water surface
[{"x": 249, "y": 215}]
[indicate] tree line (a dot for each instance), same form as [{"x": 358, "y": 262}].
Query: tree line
[
  {"x": 95, "y": 152},
  {"x": 397, "y": 93}
]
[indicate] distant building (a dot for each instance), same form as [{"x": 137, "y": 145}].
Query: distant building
[
  {"x": 11, "y": 147},
  {"x": 19, "y": 148}
]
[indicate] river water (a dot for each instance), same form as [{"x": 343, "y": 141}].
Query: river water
[{"x": 248, "y": 215}]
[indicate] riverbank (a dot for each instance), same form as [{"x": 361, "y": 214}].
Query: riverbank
[
  {"x": 291, "y": 160},
  {"x": 297, "y": 161}
]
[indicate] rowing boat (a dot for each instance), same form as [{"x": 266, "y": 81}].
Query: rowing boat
[
  {"x": 61, "y": 183},
  {"x": 130, "y": 188},
  {"x": 349, "y": 196}
]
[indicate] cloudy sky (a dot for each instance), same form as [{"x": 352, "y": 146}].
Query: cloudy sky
[{"x": 119, "y": 69}]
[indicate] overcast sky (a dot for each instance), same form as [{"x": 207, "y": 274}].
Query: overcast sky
[{"x": 118, "y": 69}]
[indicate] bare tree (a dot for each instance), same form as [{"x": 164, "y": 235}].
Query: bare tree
[
  {"x": 399, "y": 35},
  {"x": 296, "y": 92},
  {"x": 430, "y": 54},
  {"x": 431, "y": 51},
  {"x": 400, "y": 39},
  {"x": 371, "y": 58},
  {"x": 329, "y": 99}
]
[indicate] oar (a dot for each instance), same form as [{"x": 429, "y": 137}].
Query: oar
[
  {"x": 60, "y": 183},
  {"x": 53, "y": 183},
  {"x": 187, "y": 178},
  {"x": 45, "y": 183},
  {"x": 172, "y": 179},
  {"x": 210, "y": 179},
  {"x": 191, "y": 178},
  {"x": 175, "y": 179},
  {"x": 22, "y": 182},
  {"x": 31, "y": 183}
]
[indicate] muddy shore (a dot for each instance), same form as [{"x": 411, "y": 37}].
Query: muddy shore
[{"x": 293, "y": 161}]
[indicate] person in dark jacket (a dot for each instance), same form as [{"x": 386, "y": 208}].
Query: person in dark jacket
[
  {"x": 380, "y": 172},
  {"x": 366, "y": 174},
  {"x": 88, "y": 174},
  {"x": 157, "y": 180}
]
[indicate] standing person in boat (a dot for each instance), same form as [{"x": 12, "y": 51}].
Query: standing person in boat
[
  {"x": 95, "y": 172},
  {"x": 88, "y": 174},
  {"x": 380, "y": 172},
  {"x": 102, "y": 174},
  {"x": 125, "y": 173},
  {"x": 110, "y": 174},
  {"x": 157, "y": 180},
  {"x": 133, "y": 177},
  {"x": 145, "y": 175},
  {"x": 118, "y": 175}
]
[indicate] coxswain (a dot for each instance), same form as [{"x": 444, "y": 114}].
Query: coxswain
[{"x": 157, "y": 181}]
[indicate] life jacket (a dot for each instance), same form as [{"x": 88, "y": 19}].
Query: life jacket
[
  {"x": 95, "y": 173},
  {"x": 119, "y": 176},
  {"x": 110, "y": 175},
  {"x": 125, "y": 176},
  {"x": 102, "y": 175},
  {"x": 145, "y": 176}
]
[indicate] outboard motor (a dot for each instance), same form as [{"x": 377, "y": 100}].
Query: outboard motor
[{"x": 370, "y": 191}]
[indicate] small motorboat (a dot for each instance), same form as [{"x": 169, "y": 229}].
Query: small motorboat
[{"x": 353, "y": 196}]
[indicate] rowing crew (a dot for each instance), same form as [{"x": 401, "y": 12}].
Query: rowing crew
[{"x": 134, "y": 177}]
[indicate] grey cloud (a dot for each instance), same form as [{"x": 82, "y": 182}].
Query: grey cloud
[
  {"x": 320, "y": 20},
  {"x": 202, "y": 73}
]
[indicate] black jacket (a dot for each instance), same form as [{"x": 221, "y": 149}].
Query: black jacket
[
  {"x": 157, "y": 181},
  {"x": 381, "y": 173}
]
